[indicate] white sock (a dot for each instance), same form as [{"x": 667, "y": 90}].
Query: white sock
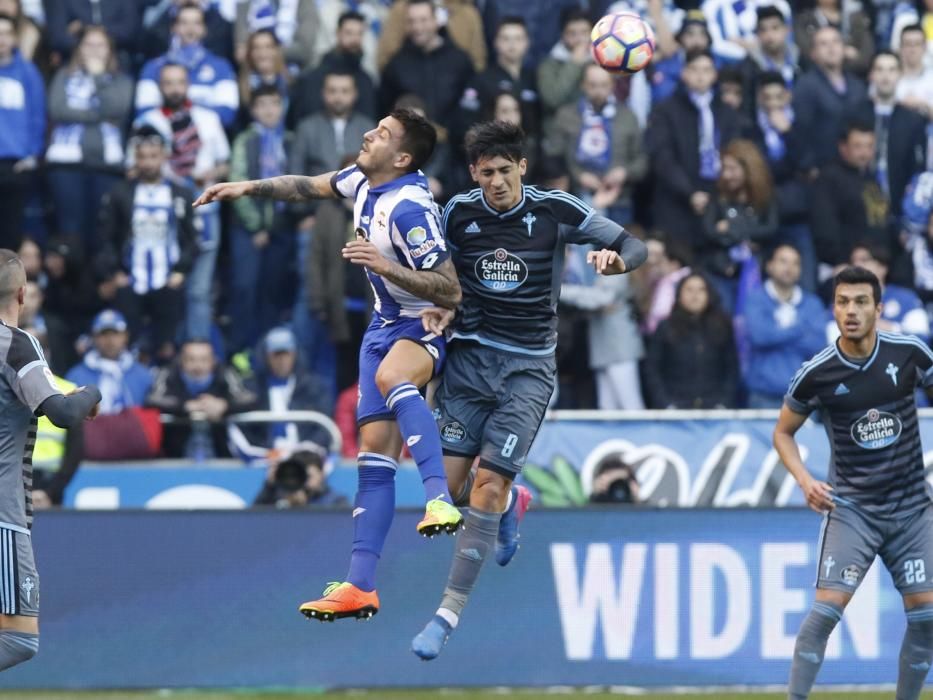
[{"x": 449, "y": 616}]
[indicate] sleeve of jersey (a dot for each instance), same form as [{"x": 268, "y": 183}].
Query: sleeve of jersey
[
  {"x": 923, "y": 358},
  {"x": 347, "y": 182},
  {"x": 800, "y": 397},
  {"x": 33, "y": 382},
  {"x": 416, "y": 230}
]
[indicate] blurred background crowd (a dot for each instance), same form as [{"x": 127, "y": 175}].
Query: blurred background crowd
[{"x": 768, "y": 144}]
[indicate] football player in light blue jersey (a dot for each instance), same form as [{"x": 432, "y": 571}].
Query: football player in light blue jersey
[{"x": 400, "y": 244}]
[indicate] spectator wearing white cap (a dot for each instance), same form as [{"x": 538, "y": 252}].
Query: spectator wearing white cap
[{"x": 123, "y": 381}]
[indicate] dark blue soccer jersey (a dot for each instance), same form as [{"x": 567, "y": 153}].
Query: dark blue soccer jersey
[
  {"x": 870, "y": 417},
  {"x": 510, "y": 264}
]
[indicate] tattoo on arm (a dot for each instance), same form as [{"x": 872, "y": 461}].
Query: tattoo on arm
[
  {"x": 295, "y": 188},
  {"x": 439, "y": 286}
]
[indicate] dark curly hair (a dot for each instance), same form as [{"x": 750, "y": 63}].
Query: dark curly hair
[
  {"x": 494, "y": 138},
  {"x": 419, "y": 138}
]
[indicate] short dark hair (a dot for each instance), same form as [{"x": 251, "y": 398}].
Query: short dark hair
[
  {"x": 913, "y": 28},
  {"x": 698, "y": 54},
  {"x": 851, "y": 126},
  {"x": 884, "y": 52},
  {"x": 512, "y": 19},
  {"x": 494, "y": 138},
  {"x": 147, "y": 134},
  {"x": 731, "y": 74},
  {"x": 770, "y": 77},
  {"x": 340, "y": 72},
  {"x": 419, "y": 138},
  {"x": 430, "y": 3},
  {"x": 858, "y": 275},
  {"x": 188, "y": 5},
  {"x": 263, "y": 91},
  {"x": 174, "y": 64},
  {"x": 572, "y": 14},
  {"x": 776, "y": 248},
  {"x": 878, "y": 253},
  {"x": 769, "y": 12},
  {"x": 350, "y": 16}
]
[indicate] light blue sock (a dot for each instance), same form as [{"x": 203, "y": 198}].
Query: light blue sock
[
  {"x": 419, "y": 429},
  {"x": 811, "y": 647},
  {"x": 16, "y": 647},
  {"x": 916, "y": 652},
  {"x": 373, "y": 511}
]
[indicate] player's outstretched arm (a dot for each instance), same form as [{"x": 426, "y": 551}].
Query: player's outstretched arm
[
  {"x": 69, "y": 411},
  {"x": 818, "y": 493},
  {"x": 290, "y": 188}
]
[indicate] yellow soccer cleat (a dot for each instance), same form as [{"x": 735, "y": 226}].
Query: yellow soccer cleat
[
  {"x": 440, "y": 516},
  {"x": 341, "y": 600}
]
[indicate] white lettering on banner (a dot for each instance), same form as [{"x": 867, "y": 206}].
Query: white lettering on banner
[
  {"x": 777, "y": 599},
  {"x": 599, "y": 594},
  {"x": 667, "y": 600},
  {"x": 611, "y": 598},
  {"x": 705, "y": 561}
]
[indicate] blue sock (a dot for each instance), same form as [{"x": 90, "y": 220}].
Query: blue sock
[
  {"x": 419, "y": 430},
  {"x": 373, "y": 511}
]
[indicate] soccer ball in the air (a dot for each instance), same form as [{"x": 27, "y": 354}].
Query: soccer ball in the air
[{"x": 622, "y": 43}]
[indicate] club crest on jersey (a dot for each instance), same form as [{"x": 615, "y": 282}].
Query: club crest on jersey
[
  {"x": 500, "y": 270},
  {"x": 850, "y": 575},
  {"x": 891, "y": 371},
  {"x": 876, "y": 429},
  {"x": 453, "y": 433},
  {"x": 416, "y": 236},
  {"x": 529, "y": 221}
]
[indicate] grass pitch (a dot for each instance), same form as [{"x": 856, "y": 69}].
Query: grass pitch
[{"x": 452, "y": 694}]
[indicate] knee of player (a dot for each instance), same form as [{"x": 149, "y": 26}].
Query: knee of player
[
  {"x": 490, "y": 491},
  {"x": 388, "y": 377}
]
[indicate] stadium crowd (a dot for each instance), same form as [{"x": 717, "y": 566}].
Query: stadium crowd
[{"x": 766, "y": 146}]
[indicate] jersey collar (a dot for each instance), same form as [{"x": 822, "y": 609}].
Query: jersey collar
[
  {"x": 871, "y": 358},
  {"x": 416, "y": 178},
  {"x": 502, "y": 214}
]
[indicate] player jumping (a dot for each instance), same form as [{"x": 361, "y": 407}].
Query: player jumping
[
  {"x": 507, "y": 242},
  {"x": 27, "y": 389},
  {"x": 876, "y": 501},
  {"x": 399, "y": 241}
]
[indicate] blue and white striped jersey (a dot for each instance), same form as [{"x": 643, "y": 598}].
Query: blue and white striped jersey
[
  {"x": 402, "y": 221},
  {"x": 154, "y": 249}
]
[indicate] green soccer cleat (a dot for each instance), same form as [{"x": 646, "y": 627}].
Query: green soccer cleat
[{"x": 440, "y": 516}]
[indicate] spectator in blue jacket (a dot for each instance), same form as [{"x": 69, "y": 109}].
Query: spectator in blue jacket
[
  {"x": 123, "y": 382},
  {"x": 784, "y": 326},
  {"x": 213, "y": 80},
  {"x": 22, "y": 131}
]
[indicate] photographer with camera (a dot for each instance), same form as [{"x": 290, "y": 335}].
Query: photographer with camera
[
  {"x": 615, "y": 482},
  {"x": 298, "y": 480}
]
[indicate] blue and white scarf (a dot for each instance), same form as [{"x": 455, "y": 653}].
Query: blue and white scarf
[
  {"x": 709, "y": 148},
  {"x": 115, "y": 396},
  {"x": 191, "y": 56},
  {"x": 774, "y": 139},
  {"x": 594, "y": 145}
]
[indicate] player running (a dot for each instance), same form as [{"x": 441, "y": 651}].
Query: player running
[
  {"x": 27, "y": 390},
  {"x": 507, "y": 242},
  {"x": 399, "y": 241},
  {"x": 876, "y": 501}
]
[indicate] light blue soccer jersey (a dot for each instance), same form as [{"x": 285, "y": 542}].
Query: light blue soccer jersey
[{"x": 402, "y": 221}]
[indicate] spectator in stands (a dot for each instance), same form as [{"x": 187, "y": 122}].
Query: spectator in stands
[
  {"x": 685, "y": 135},
  {"x": 338, "y": 296},
  {"x": 292, "y": 22},
  {"x": 693, "y": 36},
  {"x": 921, "y": 263},
  {"x": 784, "y": 326},
  {"x": 731, "y": 87},
  {"x": 31, "y": 313},
  {"x": 263, "y": 65},
  {"x": 159, "y": 20},
  {"x": 324, "y": 138},
  {"x": 425, "y": 55},
  {"x": 667, "y": 264},
  {"x": 213, "y": 81},
  {"x": 200, "y": 393},
  {"x": 772, "y": 52},
  {"x": 601, "y": 143},
  {"x": 68, "y": 19},
  {"x": 262, "y": 236},
  {"x": 691, "y": 360},
  {"x": 297, "y": 481},
  {"x": 463, "y": 28},
  {"x": 900, "y": 132},
  {"x": 90, "y": 103},
  {"x": 545, "y": 21},
  {"x": 279, "y": 384},
  {"x": 614, "y": 482},
  {"x": 200, "y": 157},
  {"x": 908, "y": 13},
  {"x": 740, "y": 219},
  {"x": 560, "y": 73},
  {"x": 901, "y": 308},
  {"x": 22, "y": 131},
  {"x": 854, "y": 27},
  {"x": 346, "y": 57},
  {"x": 29, "y": 38},
  {"x": 915, "y": 88},
  {"x": 508, "y": 74},
  {"x": 732, "y": 25},
  {"x": 848, "y": 205},
  {"x": 371, "y": 16},
  {"x": 111, "y": 367},
  {"x": 71, "y": 299},
  {"x": 147, "y": 245},
  {"x": 30, "y": 254},
  {"x": 823, "y": 97}
]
